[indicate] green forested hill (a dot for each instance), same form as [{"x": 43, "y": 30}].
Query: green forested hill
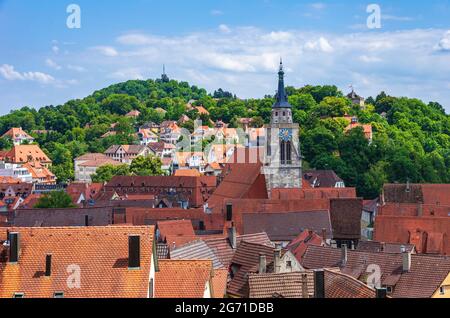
[{"x": 411, "y": 138}]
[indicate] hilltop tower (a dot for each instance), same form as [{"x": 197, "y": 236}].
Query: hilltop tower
[
  {"x": 164, "y": 77},
  {"x": 283, "y": 161}
]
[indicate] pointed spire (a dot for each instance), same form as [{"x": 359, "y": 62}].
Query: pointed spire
[
  {"x": 281, "y": 96},
  {"x": 164, "y": 76}
]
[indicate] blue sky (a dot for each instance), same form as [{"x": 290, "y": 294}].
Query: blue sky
[{"x": 231, "y": 44}]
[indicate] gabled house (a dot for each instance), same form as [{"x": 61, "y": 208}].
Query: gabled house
[
  {"x": 254, "y": 258},
  {"x": 105, "y": 262},
  {"x": 86, "y": 165},
  {"x": 21, "y": 154},
  {"x": 147, "y": 136},
  {"x": 404, "y": 275},
  {"x": 126, "y": 153},
  {"x": 323, "y": 179},
  {"x": 18, "y": 136}
]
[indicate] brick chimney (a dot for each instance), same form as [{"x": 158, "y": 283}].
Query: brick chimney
[
  {"x": 277, "y": 259},
  {"x": 319, "y": 284},
  {"x": 262, "y": 264},
  {"x": 48, "y": 265},
  {"x": 344, "y": 254},
  {"x": 324, "y": 235},
  {"x": 14, "y": 247},
  {"x": 232, "y": 236},
  {"x": 134, "y": 251},
  {"x": 406, "y": 258}
]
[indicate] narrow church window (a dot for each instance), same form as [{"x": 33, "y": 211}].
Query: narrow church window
[
  {"x": 283, "y": 152},
  {"x": 288, "y": 153}
]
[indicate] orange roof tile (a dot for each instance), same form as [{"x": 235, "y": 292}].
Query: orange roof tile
[
  {"x": 219, "y": 283},
  {"x": 100, "y": 254},
  {"x": 183, "y": 278},
  {"x": 187, "y": 173},
  {"x": 17, "y": 133},
  {"x": 26, "y": 153},
  {"x": 176, "y": 232}
]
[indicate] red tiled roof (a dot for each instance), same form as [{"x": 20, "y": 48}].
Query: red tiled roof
[
  {"x": 176, "y": 232},
  {"x": 313, "y": 194},
  {"x": 428, "y": 233},
  {"x": 299, "y": 245},
  {"x": 436, "y": 194},
  {"x": 240, "y": 181},
  {"x": 182, "y": 278},
  {"x": 222, "y": 248},
  {"x": 339, "y": 285},
  {"x": 15, "y": 133},
  {"x": 421, "y": 281},
  {"x": 246, "y": 259},
  {"x": 100, "y": 253},
  {"x": 219, "y": 283},
  {"x": 9, "y": 180},
  {"x": 285, "y": 285},
  {"x": 26, "y": 153},
  {"x": 187, "y": 173}
]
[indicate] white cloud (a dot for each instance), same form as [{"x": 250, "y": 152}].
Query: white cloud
[
  {"x": 318, "y": 5},
  {"x": 224, "y": 28},
  {"x": 9, "y": 73},
  {"x": 370, "y": 59},
  {"x": 127, "y": 74},
  {"x": 444, "y": 43},
  {"x": 396, "y": 18},
  {"x": 106, "y": 50},
  {"x": 50, "y": 63},
  {"x": 134, "y": 39},
  {"x": 245, "y": 61},
  {"x": 216, "y": 12},
  {"x": 76, "y": 68},
  {"x": 321, "y": 45},
  {"x": 55, "y": 49}
]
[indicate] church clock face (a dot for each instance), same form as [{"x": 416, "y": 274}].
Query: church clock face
[{"x": 286, "y": 134}]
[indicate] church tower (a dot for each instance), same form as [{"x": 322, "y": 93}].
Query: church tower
[{"x": 283, "y": 161}]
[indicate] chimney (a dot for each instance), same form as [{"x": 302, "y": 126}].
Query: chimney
[
  {"x": 262, "y": 264},
  {"x": 381, "y": 293},
  {"x": 344, "y": 254},
  {"x": 419, "y": 209},
  {"x": 305, "y": 286},
  {"x": 134, "y": 251},
  {"x": 324, "y": 235},
  {"x": 319, "y": 284},
  {"x": 277, "y": 259},
  {"x": 232, "y": 236},
  {"x": 14, "y": 247},
  {"x": 48, "y": 265},
  {"x": 406, "y": 256},
  {"x": 229, "y": 212}
]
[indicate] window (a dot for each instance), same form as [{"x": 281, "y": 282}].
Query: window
[
  {"x": 289, "y": 264},
  {"x": 58, "y": 295},
  {"x": 442, "y": 290},
  {"x": 285, "y": 152},
  {"x": 389, "y": 289},
  {"x": 19, "y": 295}
]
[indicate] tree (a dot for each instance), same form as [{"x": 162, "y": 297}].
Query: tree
[
  {"x": 6, "y": 143},
  {"x": 55, "y": 200},
  {"x": 146, "y": 166},
  {"x": 107, "y": 172}
]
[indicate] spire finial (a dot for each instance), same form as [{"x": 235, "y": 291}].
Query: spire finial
[{"x": 281, "y": 97}]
